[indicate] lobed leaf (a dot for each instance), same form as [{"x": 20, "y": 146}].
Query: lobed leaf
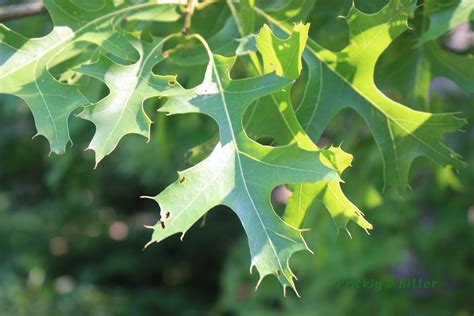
[
  {"x": 25, "y": 63},
  {"x": 280, "y": 122},
  {"x": 239, "y": 173},
  {"x": 338, "y": 80},
  {"x": 121, "y": 112}
]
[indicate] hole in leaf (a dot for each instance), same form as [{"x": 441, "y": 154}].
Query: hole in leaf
[{"x": 164, "y": 217}]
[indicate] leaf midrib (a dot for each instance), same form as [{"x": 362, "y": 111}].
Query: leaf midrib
[
  {"x": 219, "y": 83},
  {"x": 235, "y": 145}
]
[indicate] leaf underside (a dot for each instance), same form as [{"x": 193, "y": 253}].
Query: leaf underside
[{"x": 241, "y": 172}]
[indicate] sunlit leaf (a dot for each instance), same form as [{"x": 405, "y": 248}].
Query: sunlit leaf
[
  {"x": 338, "y": 80},
  {"x": 25, "y": 63},
  {"x": 239, "y": 173}
]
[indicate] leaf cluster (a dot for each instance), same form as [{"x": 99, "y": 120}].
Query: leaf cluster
[{"x": 244, "y": 73}]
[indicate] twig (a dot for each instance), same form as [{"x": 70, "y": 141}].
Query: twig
[
  {"x": 18, "y": 11},
  {"x": 188, "y": 16}
]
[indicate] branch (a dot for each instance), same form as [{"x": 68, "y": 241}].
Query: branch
[
  {"x": 18, "y": 11},
  {"x": 188, "y": 16}
]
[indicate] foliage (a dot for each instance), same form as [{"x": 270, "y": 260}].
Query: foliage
[{"x": 272, "y": 94}]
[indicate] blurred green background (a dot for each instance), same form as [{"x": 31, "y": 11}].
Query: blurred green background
[{"x": 71, "y": 237}]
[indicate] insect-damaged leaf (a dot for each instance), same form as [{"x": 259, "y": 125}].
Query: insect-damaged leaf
[{"x": 239, "y": 173}]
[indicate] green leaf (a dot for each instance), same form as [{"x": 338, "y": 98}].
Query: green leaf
[
  {"x": 346, "y": 79},
  {"x": 290, "y": 10},
  {"x": 247, "y": 15},
  {"x": 407, "y": 73},
  {"x": 284, "y": 57},
  {"x": 23, "y": 74},
  {"x": 223, "y": 43},
  {"x": 25, "y": 63},
  {"x": 121, "y": 112},
  {"x": 247, "y": 44},
  {"x": 161, "y": 13},
  {"x": 446, "y": 15},
  {"x": 201, "y": 151},
  {"x": 239, "y": 173},
  {"x": 306, "y": 197}
]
